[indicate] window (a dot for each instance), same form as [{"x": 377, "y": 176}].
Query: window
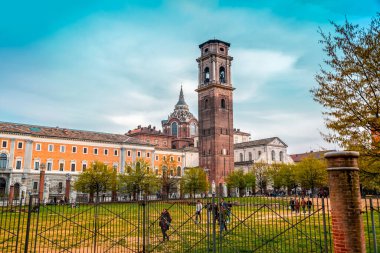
[
  {"x": 259, "y": 153},
  {"x": 4, "y": 144},
  {"x": 281, "y": 156},
  {"x": 156, "y": 157},
  {"x": 49, "y": 165},
  {"x": 164, "y": 158},
  {"x": 156, "y": 171},
  {"x": 223, "y": 103},
  {"x": 3, "y": 161},
  {"x": 18, "y": 164},
  {"x": 105, "y": 151},
  {"x": 73, "y": 165},
  {"x": 178, "y": 171},
  {"x": 19, "y": 145},
  {"x": 147, "y": 141},
  {"x": 74, "y": 149},
  {"x": 155, "y": 141},
  {"x": 193, "y": 129},
  {"x": 84, "y": 166},
  {"x": 178, "y": 159},
  {"x": 250, "y": 156},
  {"x": 60, "y": 187},
  {"x": 115, "y": 152},
  {"x": 172, "y": 159},
  {"x": 148, "y": 154},
  {"x": 95, "y": 151},
  {"x": 61, "y": 166},
  {"x": 241, "y": 157},
  {"x": 128, "y": 153},
  {"x": 174, "y": 129},
  {"x": 50, "y": 147},
  {"x": 38, "y": 147},
  {"x": 165, "y": 143},
  {"x": 206, "y": 103},
  {"x": 36, "y": 165},
  {"x": 207, "y": 75},
  {"x": 115, "y": 165},
  {"x": 138, "y": 154},
  {"x": 273, "y": 155},
  {"x": 35, "y": 186},
  {"x": 85, "y": 150},
  {"x": 62, "y": 149},
  {"x": 222, "y": 75}
]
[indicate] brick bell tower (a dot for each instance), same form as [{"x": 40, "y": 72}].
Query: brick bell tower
[{"x": 215, "y": 110}]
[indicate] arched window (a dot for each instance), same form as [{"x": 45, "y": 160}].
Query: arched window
[
  {"x": 273, "y": 156},
  {"x": 207, "y": 75},
  {"x": 174, "y": 128},
  {"x": 222, "y": 75},
  {"x": 178, "y": 171},
  {"x": 250, "y": 156},
  {"x": 3, "y": 161},
  {"x": 206, "y": 103},
  {"x": 223, "y": 103},
  {"x": 3, "y": 185},
  {"x": 241, "y": 157},
  {"x": 281, "y": 156}
]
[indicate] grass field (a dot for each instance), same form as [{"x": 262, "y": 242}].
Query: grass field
[{"x": 257, "y": 224}]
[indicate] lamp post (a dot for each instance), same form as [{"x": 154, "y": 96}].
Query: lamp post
[{"x": 42, "y": 182}]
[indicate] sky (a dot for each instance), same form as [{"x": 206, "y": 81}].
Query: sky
[{"x": 110, "y": 66}]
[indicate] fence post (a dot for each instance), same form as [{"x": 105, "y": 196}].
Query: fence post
[
  {"x": 347, "y": 222},
  {"x": 28, "y": 224},
  {"x": 144, "y": 224},
  {"x": 213, "y": 223},
  {"x": 373, "y": 226},
  {"x": 324, "y": 225}
]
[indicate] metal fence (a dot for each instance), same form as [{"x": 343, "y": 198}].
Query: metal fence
[{"x": 246, "y": 224}]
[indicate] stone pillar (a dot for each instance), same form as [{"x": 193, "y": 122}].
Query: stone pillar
[
  {"x": 42, "y": 185},
  {"x": 68, "y": 188},
  {"x": 347, "y": 222},
  {"x": 11, "y": 194}
]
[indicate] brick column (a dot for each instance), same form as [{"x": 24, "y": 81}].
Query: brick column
[
  {"x": 347, "y": 222},
  {"x": 68, "y": 188},
  {"x": 42, "y": 185},
  {"x": 11, "y": 195}
]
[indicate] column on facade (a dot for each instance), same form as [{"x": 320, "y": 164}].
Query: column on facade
[
  {"x": 133, "y": 155},
  {"x": 12, "y": 153},
  {"x": 28, "y": 155},
  {"x": 122, "y": 159}
]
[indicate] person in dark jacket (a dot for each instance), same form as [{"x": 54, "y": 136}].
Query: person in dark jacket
[{"x": 165, "y": 220}]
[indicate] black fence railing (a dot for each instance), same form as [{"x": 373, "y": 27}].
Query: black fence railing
[{"x": 246, "y": 224}]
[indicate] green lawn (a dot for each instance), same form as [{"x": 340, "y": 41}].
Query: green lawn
[{"x": 257, "y": 224}]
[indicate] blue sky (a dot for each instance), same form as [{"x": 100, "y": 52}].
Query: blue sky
[{"x": 112, "y": 65}]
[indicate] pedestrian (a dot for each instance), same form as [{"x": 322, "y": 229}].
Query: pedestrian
[
  {"x": 164, "y": 223},
  {"x": 297, "y": 206},
  {"x": 223, "y": 216},
  {"x": 303, "y": 205},
  {"x": 309, "y": 204},
  {"x": 291, "y": 203},
  {"x": 198, "y": 212}
]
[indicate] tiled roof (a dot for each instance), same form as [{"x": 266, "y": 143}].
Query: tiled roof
[
  {"x": 314, "y": 154},
  {"x": 145, "y": 130},
  {"x": 237, "y": 131},
  {"x": 64, "y": 133},
  {"x": 257, "y": 143}
]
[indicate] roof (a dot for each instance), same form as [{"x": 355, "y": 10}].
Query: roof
[
  {"x": 238, "y": 132},
  {"x": 260, "y": 142},
  {"x": 146, "y": 130},
  {"x": 65, "y": 133},
  {"x": 314, "y": 154},
  {"x": 181, "y": 100},
  {"x": 214, "y": 41}
]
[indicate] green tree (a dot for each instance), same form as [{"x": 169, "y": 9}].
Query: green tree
[
  {"x": 349, "y": 89},
  {"x": 287, "y": 173},
  {"x": 262, "y": 176},
  {"x": 168, "y": 182},
  {"x": 275, "y": 176},
  {"x": 311, "y": 173},
  {"x": 194, "y": 181},
  {"x": 139, "y": 178},
  {"x": 96, "y": 179},
  {"x": 240, "y": 180}
]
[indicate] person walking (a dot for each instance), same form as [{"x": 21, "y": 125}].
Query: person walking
[
  {"x": 309, "y": 204},
  {"x": 303, "y": 205},
  {"x": 297, "y": 205},
  {"x": 291, "y": 203},
  {"x": 198, "y": 212},
  {"x": 164, "y": 223}
]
